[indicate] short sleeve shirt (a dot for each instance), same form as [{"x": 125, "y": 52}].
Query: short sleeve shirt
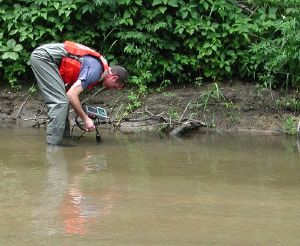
[{"x": 90, "y": 71}]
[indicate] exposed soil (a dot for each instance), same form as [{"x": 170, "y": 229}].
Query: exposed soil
[{"x": 228, "y": 107}]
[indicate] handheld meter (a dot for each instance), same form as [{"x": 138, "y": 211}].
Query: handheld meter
[{"x": 96, "y": 112}]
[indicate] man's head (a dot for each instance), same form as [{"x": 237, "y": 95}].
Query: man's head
[{"x": 116, "y": 78}]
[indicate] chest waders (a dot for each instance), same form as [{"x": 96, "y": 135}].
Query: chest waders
[{"x": 45, "y": 62}]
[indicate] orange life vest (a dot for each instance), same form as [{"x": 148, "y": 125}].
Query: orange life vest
[{"x": 70, "y": 65}]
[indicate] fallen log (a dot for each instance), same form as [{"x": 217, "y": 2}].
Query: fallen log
[{"x": 186, "y": 127}]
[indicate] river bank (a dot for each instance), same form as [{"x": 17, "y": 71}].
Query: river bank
[{"x": 227, "y": 107}]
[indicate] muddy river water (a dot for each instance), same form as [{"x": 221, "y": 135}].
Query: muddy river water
[{"x": 206, "y": 189}]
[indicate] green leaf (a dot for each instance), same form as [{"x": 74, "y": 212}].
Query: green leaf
[
  {"x": 205, "y": 5},
  {"x": 9, "y": 25},
  {"x": 44, "y": 15},
  {"x": 173, "y": 3},
  {"x": 18, "y": 48},
  {"x": 11, "y": 43},
  {"x": 4, "y": 49},
  {"x": 12, "y": 32},
  {"x": 162, "y": 9},
  {"x": 10, "y": 55},
  {"x": 56, "y": 5},
  {"x": 228, "y": 69},
  {"x": 156, "y": 2}
]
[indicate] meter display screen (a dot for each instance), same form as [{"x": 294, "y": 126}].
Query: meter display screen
[
  {"x": 97, "y": 112},
  {"x": 91, "y": 109}
]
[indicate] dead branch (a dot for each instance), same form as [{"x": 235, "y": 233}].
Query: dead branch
[
  {"x": 35, "y": 118},
  {"x": 184, "y": 111},
  {"x": 22, "y": 105},
  {"x": 157, "y": 117},
  {"x": 113, "y": 106}
]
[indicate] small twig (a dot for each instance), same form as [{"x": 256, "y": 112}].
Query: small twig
[
  {"x": 137, "y": 120},
  {"x": 22, "y": 105},
  {"x": 198, "y": 122},
  {"x": 113, "y": 106},
  {"x": 106, "y": 36},
  {"x": 212, "y": 9},
  {"x": 116, "y": 115},
  {"x": 184, "y": 111},
  {"x": 245, "y": 8},
  {"x": 41, "y": 118}
]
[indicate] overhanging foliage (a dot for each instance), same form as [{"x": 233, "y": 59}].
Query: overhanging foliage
[{"x": 161, "y": 41}]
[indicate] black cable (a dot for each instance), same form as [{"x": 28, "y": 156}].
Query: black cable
[
  {"x": 77, "y": 138},
  {"x": 80, "y": 126}
]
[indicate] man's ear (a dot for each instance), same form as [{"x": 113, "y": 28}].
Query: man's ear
[{"x": 115, "y": 76}]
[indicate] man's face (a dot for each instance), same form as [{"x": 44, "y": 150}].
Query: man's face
[{"x": 111, "y": 82}]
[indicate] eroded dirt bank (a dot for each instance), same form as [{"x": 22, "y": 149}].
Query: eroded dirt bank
[{"x": 223, "y": 107}]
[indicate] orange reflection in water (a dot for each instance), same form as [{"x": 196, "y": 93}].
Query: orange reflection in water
[{"x": 80, "y": 210}]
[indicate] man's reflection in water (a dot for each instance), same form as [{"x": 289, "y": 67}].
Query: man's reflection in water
[
  {"x": 45, "y": 215},
  {"x": 64, "y": 199}
]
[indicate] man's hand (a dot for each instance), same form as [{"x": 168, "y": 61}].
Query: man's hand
[{"x": 89, "y": 125}]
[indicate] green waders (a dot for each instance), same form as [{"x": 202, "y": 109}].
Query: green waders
[{"x": 45, "y": 62}]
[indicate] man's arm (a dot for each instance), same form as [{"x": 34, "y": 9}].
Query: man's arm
[{"x": 73, "y": 95}]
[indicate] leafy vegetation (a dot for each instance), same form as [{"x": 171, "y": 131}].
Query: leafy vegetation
[
  {"x": 213, "y": 93},
  {"x": 289, "y": 126},
  {"x": 161, "y": 41}
]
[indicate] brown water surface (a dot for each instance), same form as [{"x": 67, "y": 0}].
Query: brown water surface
[{"x": 144, "y": 190}]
